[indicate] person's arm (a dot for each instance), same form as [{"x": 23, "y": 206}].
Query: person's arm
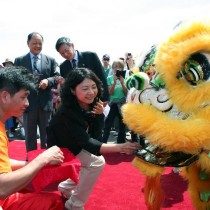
[
  {"x": 123, "y": 85},
  {"x": 16, "y": 164},
  {"x": 14, "y": 181},
  {"x": 128, "y": 148},
  {"x": 54, "y": 72},
  {"x": 112, "y": 86}
]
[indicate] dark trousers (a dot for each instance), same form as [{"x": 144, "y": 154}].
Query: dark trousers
[
  {"x": 114, "y": 111},
  {"x": 31, "y": 120}
]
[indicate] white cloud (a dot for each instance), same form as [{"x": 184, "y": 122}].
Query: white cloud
[{"x": 111, "y": 26}]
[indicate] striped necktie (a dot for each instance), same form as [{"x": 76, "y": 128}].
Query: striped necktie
[{"x": 35, "y": 64}]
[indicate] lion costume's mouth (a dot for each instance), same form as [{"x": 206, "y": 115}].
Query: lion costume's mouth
[{"x": 159, "y": 156}]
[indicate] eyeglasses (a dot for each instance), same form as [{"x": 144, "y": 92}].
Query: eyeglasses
[{"x": 106, "y": 59}]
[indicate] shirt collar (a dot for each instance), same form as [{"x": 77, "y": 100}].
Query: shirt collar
[
  {"x": 75, "y": 56},
  {"x": 32, "y": 56}
]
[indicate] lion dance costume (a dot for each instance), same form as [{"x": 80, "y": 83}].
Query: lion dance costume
[{"x": 169, "y": 107}]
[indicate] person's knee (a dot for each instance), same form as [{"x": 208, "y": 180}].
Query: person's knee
[{"x": 99, "y": 162}]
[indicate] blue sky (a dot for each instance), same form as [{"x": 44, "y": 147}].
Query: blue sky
[{"x": 111, "y": 26}]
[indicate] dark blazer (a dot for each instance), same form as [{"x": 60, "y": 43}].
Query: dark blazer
[
  {"x": 68, "y": 129},
  {"x": 41, "y": 98},
  {"x": 91, "y": 61}
]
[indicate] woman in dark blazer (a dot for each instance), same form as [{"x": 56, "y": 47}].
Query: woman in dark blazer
[{"x": 74, "y": 126}]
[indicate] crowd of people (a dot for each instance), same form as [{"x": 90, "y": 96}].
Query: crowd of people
[{"x": 66, "y": 103}]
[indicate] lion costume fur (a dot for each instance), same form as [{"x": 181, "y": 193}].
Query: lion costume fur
[{"x": 190, "y": 134}]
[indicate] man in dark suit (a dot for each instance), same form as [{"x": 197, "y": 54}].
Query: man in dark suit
[
  {"x": 40, "y": 101},
  {"x": 76, "y": 59}
]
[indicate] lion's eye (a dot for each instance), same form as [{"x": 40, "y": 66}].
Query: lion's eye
[{"x": 196, "y": 69}]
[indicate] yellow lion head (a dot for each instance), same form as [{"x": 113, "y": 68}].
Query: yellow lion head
[{"x": 173, "y": 114}]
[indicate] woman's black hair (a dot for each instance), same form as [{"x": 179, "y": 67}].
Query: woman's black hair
[{"x": 74, "y": 78}]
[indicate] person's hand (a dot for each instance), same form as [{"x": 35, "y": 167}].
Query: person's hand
[
  {"x": 121, "y": 80},
  {"x": 129, "y": 147},
  {"x": 59, "y": 79},
  {"x": 43, "y": 84},
  {"x": 115, "y": 79},
  {"x": 98, "y": 108},
  {"x": 54, "y": 90},
  {"x": 52, "y": 156},
  {"x": 105, "y": 103}
]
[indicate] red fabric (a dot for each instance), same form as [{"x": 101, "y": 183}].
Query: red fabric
[
  {"x": 49, "y": 174},
  {"x": 33, "y": 201},
  {"x": 121, "y": 186}
]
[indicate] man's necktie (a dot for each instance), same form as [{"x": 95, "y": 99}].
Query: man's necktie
[
  {"x": 35, "y": 64},
  {"x": 74, "y": 65}
]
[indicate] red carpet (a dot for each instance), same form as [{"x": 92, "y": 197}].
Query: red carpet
[{"x": 120, "y": 186}]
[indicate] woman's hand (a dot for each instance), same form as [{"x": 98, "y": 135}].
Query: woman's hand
[
  {"x": 121, "y": 80},
  {"x": 129, "y": 148},
  {"x": 98, "y": 108},
  {"x": 115, "y": 79}
]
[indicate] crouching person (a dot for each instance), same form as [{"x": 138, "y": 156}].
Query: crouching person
[
  {"x": 74, "y": 126},
  {"x": 15, "y": 175}
]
